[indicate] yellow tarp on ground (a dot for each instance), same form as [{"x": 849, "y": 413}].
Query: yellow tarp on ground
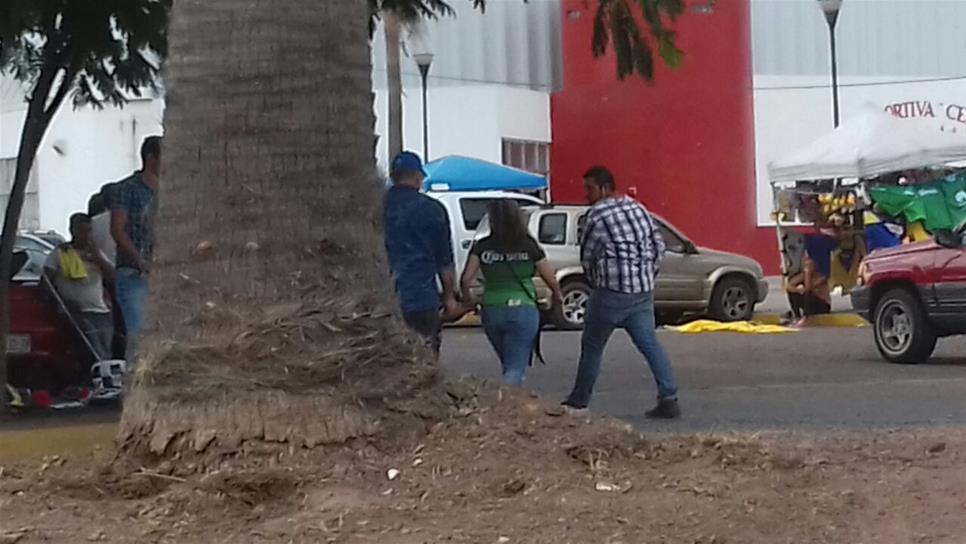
[{"x": 740, "y": 327}]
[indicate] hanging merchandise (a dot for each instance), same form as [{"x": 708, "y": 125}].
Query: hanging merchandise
[
  {"x": 785, "y": 205},
  {"x": 954, "y": 191},
  {"x": 880, "y": 237},
  {"x": 844, "y": 262},
  {"x": 916, "y": 233},
  {"x": 840, "y": 204},
  {"x": 938, "y": 205},
  {"x": 809, "y": 209},
  {"x": 792, "y": 248}
]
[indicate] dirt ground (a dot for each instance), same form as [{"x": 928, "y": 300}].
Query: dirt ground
[{"x": 511, "y": 468}]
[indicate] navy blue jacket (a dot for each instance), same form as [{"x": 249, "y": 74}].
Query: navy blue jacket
[{"x": 419, "y": 246}]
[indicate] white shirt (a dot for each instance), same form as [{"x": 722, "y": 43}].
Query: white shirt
[
  {"x": 86, "y": 295},
  {"x": 103, "y": 240}
]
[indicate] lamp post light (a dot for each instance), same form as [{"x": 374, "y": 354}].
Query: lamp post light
[
  {"x": 425, "y": 61},
  {"x": 831, "y": 10}
]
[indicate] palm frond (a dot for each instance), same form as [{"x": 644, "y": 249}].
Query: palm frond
[{"x": 618, "y": 26}]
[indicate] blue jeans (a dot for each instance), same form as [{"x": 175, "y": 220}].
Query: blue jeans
[
  {"x": 429, "y": 325},
  {"x": 99, "y": 330},
  {"x": 131, "y": 291},
  {"x": 512, "y": 330},
  {"x": 609, "y": 310}
]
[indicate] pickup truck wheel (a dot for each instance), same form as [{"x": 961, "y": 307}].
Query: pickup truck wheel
[
  {"x": 570, "y": 316},
  {"x": 732, "y": 300},
  {"x": 902, "y": 331}
]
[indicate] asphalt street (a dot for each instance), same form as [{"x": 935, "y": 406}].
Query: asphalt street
[{"x": 829, "y": 378}]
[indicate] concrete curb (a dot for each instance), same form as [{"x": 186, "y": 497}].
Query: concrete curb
[
  {"x": 469, "y": 320},
  {"x": 834, "y": 320}
]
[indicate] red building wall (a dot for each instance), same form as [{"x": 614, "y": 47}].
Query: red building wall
[{"x": 684, "y": 144}]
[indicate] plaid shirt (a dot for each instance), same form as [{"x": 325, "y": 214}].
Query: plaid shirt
[
  {"x": 622, "y": 247},
  {"x": 133, "y": 196}
]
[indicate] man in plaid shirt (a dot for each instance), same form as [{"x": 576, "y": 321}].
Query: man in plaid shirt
[{"x": 621, "y": 252}]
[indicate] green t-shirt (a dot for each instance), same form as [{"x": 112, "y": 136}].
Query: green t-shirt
[{"x": 507, "y": 274}]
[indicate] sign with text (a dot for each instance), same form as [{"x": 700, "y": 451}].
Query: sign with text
[{"x": 928, "y": 109}]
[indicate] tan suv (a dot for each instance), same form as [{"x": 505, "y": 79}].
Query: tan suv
[{"x": 692, "y": 280}]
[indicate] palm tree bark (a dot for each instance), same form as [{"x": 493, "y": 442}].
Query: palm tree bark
[
  {"x": 270, "y": 297},
  {"x": 392, "y": 28}
]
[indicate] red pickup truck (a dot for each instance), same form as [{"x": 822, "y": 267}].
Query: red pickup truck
[{"x": 914, "y": 294}]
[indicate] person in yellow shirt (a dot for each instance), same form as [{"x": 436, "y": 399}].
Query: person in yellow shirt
[{"x": 78, "y": 271}]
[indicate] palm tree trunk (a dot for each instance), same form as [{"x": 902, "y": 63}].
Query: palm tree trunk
[
  {"x": 271, "y": 305},
  {"x": 392, "y": 28}
]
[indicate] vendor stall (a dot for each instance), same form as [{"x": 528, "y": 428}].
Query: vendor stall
[{"x": 866, "y": 185}]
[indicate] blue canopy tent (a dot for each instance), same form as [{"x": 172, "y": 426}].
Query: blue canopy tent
[{"x": 456, "y": 173}]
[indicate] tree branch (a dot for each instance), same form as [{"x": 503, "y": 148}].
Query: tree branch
[{"x": 65, "y": 85}]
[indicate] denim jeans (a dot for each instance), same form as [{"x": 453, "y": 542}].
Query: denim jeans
[
  {"x": 609, "y": 310},
  {"x": 99, "y": 330},
  {"x": 512, "y": 330},
  {"x": 132, "y": 293},
  {"x": 429, "y": 325}
]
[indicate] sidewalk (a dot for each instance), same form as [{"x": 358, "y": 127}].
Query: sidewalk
[{"x": 776, "y": 305}]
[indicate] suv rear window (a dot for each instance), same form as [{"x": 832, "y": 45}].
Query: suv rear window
[{"x": 474, "y": 209}]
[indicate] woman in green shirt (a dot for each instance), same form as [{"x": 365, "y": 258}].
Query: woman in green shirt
[{"x": 509, "y": 258}]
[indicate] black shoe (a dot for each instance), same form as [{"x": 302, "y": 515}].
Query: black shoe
[{"x": 665, "y": 409}]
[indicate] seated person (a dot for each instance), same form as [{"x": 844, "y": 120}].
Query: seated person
[
  {"x": 808, "y": 291},
  {"x": 78, "y": 271}
]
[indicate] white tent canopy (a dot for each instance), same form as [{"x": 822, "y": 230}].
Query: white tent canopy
[{"x": 869, "y": 144}]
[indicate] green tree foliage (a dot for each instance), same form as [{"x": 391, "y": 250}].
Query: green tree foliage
[
  {"x": 617, "y": 25},
  {"x": 412, "y": 10},
  {"x": 107, "y": 50}
]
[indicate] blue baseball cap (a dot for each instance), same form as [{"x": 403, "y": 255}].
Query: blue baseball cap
[{"x": 405, "y": 163}]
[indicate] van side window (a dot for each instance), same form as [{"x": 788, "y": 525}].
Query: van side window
[
  {"x": 581, "y": 223},
  {"x": 553, "y": 229}
]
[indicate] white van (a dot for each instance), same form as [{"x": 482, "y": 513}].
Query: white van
[{"x": 466, "y": 210}]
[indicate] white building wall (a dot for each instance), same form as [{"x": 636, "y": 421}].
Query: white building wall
[
  {"x": 469, "y": 120},
  {"x": 83, "y": 149},
  {"x": 889, "y": 51},
  {"x": 491, "y": 78}
]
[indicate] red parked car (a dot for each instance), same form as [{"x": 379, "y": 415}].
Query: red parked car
[
  {"x": 44, "y": 351},
  {"x": 914, "y": 295}
]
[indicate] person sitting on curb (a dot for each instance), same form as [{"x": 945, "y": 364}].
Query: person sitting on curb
[{"x": 808, "y": 292}]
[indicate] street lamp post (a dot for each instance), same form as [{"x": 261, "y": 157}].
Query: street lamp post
[
  {"x": 831, "y": 10},
  {"x": 425, "y": 61}
]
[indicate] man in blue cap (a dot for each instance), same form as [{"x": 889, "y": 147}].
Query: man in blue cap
[{"x": 420, "y": 250}]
